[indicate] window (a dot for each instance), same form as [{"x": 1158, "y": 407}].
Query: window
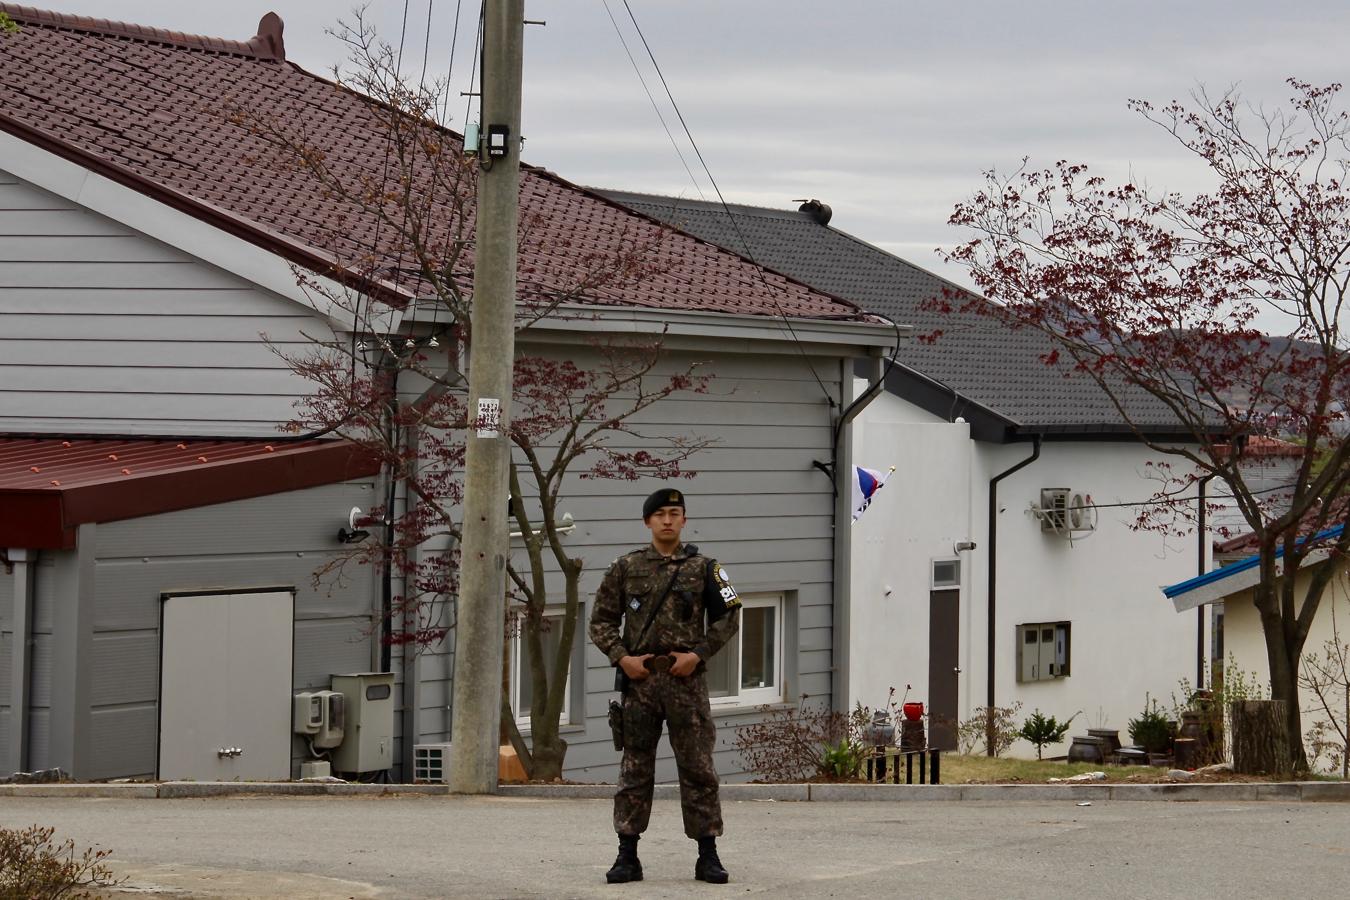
[
  {"x": 1043, "y": 651},
  {"x": 522, "y": 684},
  {"x": 749, "y": 669},
  {"x": 946, "y": 573}
]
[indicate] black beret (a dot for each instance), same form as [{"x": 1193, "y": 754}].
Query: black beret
[{"x": 663, "y": 497}]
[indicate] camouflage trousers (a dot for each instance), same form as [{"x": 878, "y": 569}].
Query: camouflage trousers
[{"x": 683, "y": 704}]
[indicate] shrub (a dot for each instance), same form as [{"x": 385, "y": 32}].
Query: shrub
[
  {"x": 35, "y": 868},
  {"x": 1151, "y": 730},
  {"x": 792, "y": 744},
  {"x": 996, "y": 727},
  {"x": 1041, "y": 730}
]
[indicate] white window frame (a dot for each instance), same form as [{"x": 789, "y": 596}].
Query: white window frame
[
  {"x": 933, "y": 582},
  {"x": 757, "y": 696},
  {"x": 523, "y": 715}
]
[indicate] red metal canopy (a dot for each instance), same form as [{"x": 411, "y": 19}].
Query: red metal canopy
[{"x": 49, "y": 486}]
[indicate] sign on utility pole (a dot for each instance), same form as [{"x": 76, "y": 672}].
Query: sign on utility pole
[{"x": 477, "y": 695}]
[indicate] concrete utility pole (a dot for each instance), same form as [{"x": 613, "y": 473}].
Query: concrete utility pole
[{"x": 482, "y": 578}]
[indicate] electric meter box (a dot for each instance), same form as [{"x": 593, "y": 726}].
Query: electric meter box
[{"x": 368, "y": 741}]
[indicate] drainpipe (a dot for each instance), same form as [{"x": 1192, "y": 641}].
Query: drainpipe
[
  {"x": 843, "y": 535},
  {"x": 993, "y": 565},
  {"x": 22, "y": 563},
  {"x": 1200, "y": 569}
]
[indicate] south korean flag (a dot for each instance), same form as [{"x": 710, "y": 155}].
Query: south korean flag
[{"x": 866, "y": 483}]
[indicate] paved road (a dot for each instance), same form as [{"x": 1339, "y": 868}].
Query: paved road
[{"x": 415, "y": 847}]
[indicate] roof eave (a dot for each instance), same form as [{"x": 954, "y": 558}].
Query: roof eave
[{"x": 576, "y": 322}]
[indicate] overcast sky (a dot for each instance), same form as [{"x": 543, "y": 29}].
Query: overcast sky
[{"x": 887, "y": 111}]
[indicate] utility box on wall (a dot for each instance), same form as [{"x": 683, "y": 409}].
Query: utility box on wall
[{"x": 368, "y": 739}]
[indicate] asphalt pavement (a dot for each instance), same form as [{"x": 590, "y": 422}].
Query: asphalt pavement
[{"x": 436, "y": 846}]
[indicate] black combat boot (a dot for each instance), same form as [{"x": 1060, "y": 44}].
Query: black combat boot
[
  {"x": 709, "y": 867},
  {"x": 626, "y": 867}
]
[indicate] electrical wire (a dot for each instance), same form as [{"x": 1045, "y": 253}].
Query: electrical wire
[
  {"x": 725, "y": 206},
  {"x": 474, "y": 64},
  {"x": 426, "y": 46},
  {"x": 1165, "y": 501},
  {"x": 450, "y": 69},
  {"x": 402, "y": 36},
  {"x": 655, "y": 108}
]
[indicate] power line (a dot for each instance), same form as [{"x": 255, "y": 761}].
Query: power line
[
  {"x": 450, "y": 69},
  {"x": 402, "y": 36},
  {"x": 426, "y": 46},
  {"x": 652, "y": 100},
  {"x": 725, "y": 206},
  {"x": 474, "y": 64}
]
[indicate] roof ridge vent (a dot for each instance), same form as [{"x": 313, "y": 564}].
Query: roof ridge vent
[
  {"x": 268, "y": 43},
  {"x": 818, "y": 211}
]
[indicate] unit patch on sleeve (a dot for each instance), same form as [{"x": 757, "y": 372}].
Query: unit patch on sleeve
[{"x": 727, "y": 592}]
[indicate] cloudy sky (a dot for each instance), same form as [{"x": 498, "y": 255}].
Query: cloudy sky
[{"x": 887, "y": 111}]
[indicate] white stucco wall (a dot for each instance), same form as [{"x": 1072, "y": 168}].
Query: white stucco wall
[
  {"x": 1245, "y": 644},
  {"x": 1126, "y": 640}
]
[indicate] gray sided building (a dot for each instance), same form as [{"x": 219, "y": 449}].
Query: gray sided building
[{"x": 143, "y": 303}]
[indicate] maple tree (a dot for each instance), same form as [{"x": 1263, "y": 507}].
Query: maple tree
[
  {"x": 401, "y": 391},
  {"x": 1227, "y": 307}
]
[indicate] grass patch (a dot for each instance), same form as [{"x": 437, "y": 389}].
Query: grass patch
[{"x": 959, "y": 769}]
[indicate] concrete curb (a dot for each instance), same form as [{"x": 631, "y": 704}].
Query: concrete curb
[{"x": 1227, "y": 792}]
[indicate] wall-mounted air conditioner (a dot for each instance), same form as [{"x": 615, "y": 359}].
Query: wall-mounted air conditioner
[{"x": 1066, "y": 512}]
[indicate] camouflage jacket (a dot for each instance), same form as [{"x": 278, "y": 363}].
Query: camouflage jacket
[{"x": 637, "y": 580}]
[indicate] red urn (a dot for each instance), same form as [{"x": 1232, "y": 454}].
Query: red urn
[{"x": 913, "y": 710}]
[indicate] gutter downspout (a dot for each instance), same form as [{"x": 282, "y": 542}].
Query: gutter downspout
[
  {"x": 843, "y": 535},
  {"x": 1200, "y": 569},
  {"x": 24, "y": 565},
  {"x": 993, "y": 572}
]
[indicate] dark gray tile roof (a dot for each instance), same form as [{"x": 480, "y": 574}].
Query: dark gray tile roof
[{"x": 976, "y": 357}]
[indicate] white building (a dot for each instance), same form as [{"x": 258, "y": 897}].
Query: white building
[{"x": 973, "y": 601}]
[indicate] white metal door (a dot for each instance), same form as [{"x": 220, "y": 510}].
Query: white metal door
[{"x": 225, "y": 686}]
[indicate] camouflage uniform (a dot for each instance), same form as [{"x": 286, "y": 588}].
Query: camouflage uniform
[{"x": 699, "y": 589}]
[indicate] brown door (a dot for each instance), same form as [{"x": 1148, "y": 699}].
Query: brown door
[{"x": 944, "y": 619}]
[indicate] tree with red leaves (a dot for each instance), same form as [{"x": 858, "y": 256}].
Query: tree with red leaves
[
  {"x": 1228, "y": 307},
  {"x": 401, "y": 242}
]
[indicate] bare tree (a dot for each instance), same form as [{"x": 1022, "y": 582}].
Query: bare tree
[
  {"x": 401, "y": 240},
  {"x": 1227, "y": 308},
  {"x": 1326, "y": 677}
]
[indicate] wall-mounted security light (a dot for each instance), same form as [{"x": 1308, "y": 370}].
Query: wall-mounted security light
[
  {"x": 963, "y": 545},
  {"x": 498, "y": 138},
  {"x": 355, "y": 530}
]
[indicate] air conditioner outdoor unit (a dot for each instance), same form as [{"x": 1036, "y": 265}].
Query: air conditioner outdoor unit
[
  {"x": 431, "y": 763},
  {"x": 1053, "y": 509},
  {"x": 1066, "y": 512}
]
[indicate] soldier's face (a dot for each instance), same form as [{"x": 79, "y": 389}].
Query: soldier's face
[{"x": 666, "y": 524}]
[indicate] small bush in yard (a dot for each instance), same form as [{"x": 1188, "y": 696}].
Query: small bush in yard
[
  {"x": 33, "y": 867},
  {"x": 996, "y": 727},
  {"x": 1041, "y": 730},
  {"x": 792, "y": 744}
]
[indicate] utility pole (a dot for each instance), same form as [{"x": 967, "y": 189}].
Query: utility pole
[{"x": 476, "y": 700}]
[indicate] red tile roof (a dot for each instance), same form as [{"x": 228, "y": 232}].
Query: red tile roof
[
  {"x": 144, "y": 106},
  {"x": 49, "y": 486}
]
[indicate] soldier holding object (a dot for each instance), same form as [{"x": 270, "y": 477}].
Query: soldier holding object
[{"x": 661, "y": 612}]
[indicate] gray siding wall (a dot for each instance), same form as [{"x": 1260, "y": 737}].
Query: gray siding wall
[
  {"x": 105, "y": 330},
  {"x": 276, "y": 541},
  {"x": 756, "y": 504}
]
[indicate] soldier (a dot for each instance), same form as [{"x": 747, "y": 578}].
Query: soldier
[{"x": 663, "y": 593}]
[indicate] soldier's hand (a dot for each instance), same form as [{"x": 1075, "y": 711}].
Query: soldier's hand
[
  {"x": 635, "y": 666},
  {"x": 685, "y": 663}
]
